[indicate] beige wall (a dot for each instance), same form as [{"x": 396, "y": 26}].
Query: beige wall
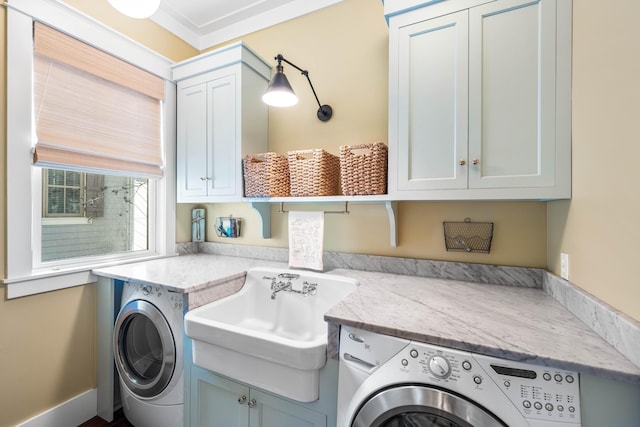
[
  {"x": 47, "y": 351},
  {"x": 345, "y": 49},
  {"x": 48, "y": 341},
  {"x": 600, "y": 227}
]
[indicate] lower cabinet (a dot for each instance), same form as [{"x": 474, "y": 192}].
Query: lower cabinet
[{"x": 217, "y": 401}]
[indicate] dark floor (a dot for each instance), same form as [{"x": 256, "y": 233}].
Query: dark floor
[{"x": 118, "y": 421}]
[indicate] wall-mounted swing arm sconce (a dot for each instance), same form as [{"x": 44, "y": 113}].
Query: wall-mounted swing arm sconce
[{"x": 280, "y": 94}]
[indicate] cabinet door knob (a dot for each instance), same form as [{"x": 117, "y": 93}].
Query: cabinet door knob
[
  {"x": 242, "y": 399},
  {"x": 252, "y": 403},
  {"x": 462, "y": 162},
  {"x": 475, "y": 161}
]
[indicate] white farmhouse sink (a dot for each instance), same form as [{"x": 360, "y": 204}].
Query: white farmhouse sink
[{"x": 278, "y": 343}]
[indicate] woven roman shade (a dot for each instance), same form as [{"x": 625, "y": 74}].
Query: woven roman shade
[{"x": 93, "y": 111}]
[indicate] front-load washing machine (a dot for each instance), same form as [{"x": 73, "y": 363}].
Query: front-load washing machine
[
  {"x": 148, "y": 355},
  {"x": 393, "y": 382}
]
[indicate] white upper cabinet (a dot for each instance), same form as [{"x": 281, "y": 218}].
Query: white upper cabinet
[
  {"x": 221, "y": 118},
  {"x": 479, "y": 99},
  {"x": 432, "y": 110}
]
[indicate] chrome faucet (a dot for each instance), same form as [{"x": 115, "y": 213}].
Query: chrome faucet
[
  {"x": 277, "y": 286},
  {"x": 281, "y": 285}
]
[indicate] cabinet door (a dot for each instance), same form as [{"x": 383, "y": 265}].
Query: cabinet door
[
  {"x": 222, "y": 137},
  {"x": 512, "y": 94},
  {"x": 432, "y": 116},
  {"x": 215, "y": 401},
  {"x": 191, "y": 167},
  {"x": 271, "y": 411}
]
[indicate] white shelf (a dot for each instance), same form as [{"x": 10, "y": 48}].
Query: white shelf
[
  {"x": 262, "y": 205},
  {"x": 320, "y": 199}
]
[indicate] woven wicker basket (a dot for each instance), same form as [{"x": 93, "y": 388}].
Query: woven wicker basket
[
  {"x": 364, "y": 173},
  {"x": 266, "y": 175},
  {"x": 314, "y": 173}
]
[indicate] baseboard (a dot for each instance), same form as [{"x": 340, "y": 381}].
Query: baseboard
[{"x": 73, "y": 412}]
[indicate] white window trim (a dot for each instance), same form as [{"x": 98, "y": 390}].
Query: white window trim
[
  {"x": 23, "y": 230},
  {"x": 70, "y": 220}
]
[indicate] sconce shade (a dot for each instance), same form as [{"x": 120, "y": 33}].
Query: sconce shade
[
  {"x": 279, "y": 92},
  {"x": 136, "y": 8}
]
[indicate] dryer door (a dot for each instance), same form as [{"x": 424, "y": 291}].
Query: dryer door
[
  {"x": 421, "y": 406},
  {"x": 144, "y": 348}
]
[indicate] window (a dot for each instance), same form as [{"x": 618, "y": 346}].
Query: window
[
  {"x": 68, "y": 194},
  {"x": 64, "y": 194},
  {"x": 93, "y": 112},
  {"x": 90, "y": 215},
  {"x": 80, "y": 216}
]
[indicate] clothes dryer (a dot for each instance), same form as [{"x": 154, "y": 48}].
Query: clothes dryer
[
  {"x": 148, "y": 355},
  {"x": 386, "y": 381}
]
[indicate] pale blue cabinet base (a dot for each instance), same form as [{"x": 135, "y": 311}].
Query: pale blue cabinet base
[{"x": 217, "y": 401}]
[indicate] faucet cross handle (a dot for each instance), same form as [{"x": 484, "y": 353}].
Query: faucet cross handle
[{"x": 309, "y": 288}]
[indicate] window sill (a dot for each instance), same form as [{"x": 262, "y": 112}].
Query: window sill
[
  {"x": 76, "y": 220},
  {"x": 53, "y": 279}
]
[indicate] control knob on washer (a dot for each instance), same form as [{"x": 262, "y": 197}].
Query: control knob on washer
[{"x": 439, "y": 366}]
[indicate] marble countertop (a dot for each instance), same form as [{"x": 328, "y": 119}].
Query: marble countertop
[
  {"x": 186, "y": 273},
  {"x": 515, "y": 323},
  {"x": 522, "y": 324}
]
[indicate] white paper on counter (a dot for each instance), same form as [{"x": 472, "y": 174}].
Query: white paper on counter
[{"x": 306, "y": 239}]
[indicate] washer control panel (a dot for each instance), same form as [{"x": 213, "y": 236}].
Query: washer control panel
[
  {"x": 538, "y": 392},
  {"x": 434, "y": 364}
]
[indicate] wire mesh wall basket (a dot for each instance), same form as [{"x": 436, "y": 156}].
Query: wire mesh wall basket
[{"x": 468, "y": 236}]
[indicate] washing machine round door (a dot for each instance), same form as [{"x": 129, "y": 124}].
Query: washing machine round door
[
  {"x": 421, "y": 406},
  {"x": 145, "y": 351}
]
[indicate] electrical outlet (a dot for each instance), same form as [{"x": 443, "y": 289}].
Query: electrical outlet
[{"x": 564, "y": 266}]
